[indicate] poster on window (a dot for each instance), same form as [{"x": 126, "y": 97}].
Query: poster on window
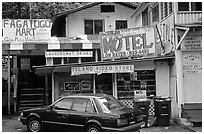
[
  {"x": 71, "y": 86},
  {"x": 85, "y": 85},
  {"x": 140, "y": 94},
  {"x": 25, "y": 64},
  {"x": 192, "y": 63}
]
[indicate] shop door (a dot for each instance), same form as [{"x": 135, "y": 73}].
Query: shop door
[{"x": 31, "y": 88}]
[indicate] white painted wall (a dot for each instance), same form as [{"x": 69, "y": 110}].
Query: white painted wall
[
  {"x": 75, "y": 21},
  {"x": 192, "y": 83},
  {"x": 162, "y": 79}
]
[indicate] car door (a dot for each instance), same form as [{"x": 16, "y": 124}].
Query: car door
[
  {"x": 81, "y": 112},
  {"x": 59, "y": 112}
]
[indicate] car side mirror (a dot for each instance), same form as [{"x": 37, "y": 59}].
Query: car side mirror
[{"x": 49, "y": 108}]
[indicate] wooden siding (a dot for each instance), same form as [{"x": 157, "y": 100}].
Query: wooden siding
[
  {"x": 188, "y": 17},
  {"x": 75, "y": 21}
]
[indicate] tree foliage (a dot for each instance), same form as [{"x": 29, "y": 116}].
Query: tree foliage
[{"x": 36, "y": 10}]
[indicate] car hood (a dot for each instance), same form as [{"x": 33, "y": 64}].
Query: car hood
[{"x": 126, "y": 112}]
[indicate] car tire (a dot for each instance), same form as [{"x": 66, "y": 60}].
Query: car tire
[
  {"x": 93, "y": 128},
  {"x": 34, "y": 125}
]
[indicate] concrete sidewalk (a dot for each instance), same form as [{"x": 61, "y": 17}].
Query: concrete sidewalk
[{"x": 11, "y": 124}]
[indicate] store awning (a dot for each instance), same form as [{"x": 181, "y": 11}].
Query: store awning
[
  {"x": 55, "y": 43},
  {"x": 46, "y": 70}
]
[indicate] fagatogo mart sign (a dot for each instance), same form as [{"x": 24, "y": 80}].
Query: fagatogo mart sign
[
  {"x": 26, "y": 30},
  {"x": 136, "y": 42}
]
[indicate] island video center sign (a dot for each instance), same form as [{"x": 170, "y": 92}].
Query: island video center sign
[
  {"x": 136, "y": 42},
  {"x": 26, "y": 30}
]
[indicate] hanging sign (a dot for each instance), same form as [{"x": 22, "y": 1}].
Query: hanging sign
[
  {"x": 136, "y": 42},
  {"x": 192, "y": 63},
  {"x": 69, "y": 54},
  {"x": 102, "y": 69},
  {"x": 26, "y": 30}
]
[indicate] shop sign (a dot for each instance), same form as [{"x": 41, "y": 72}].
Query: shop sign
[
  {"x": 192, "y": 42},
  {"x": 71, "y": 86},
  {"x": 192, "y": 63},
  {"x": 102, "y": 69},
  {"x": 26, "y": 30},
  {"x": 25, "y": 64},
  {"x": 136, "y": 42},
  {"x": 68, "y": 53}
]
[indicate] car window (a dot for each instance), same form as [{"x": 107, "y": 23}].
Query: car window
[
  {"x": 80, "y": 105},
  {"x": 64, "y": 103},
  {"x": 109, "y": 103},
  {"x": 89, "y": 107}
]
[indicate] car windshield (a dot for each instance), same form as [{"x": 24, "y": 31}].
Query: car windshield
[{"x": 109, "y": 103}]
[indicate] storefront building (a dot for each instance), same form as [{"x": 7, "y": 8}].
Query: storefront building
[
  {"x": 179, "y": 25},
  {"x": 130, "y": 66}
]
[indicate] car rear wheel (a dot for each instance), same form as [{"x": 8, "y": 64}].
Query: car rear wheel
[
  {"x": 93, "y": 128},
  {"x": 34, "y": 125}
]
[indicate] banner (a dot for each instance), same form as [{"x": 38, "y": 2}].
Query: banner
[
  {"x": 26, "y": 30},
  {"x": 102, "y": 69},
  {"x": 136, "y": 42}
]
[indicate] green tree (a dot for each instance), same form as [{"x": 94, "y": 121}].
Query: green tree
[{"x": 36, "y": 10}]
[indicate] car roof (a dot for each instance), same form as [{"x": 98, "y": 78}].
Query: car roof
[{"x": 86, "y": 95}]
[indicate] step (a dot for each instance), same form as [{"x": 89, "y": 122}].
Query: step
[
  {"x": 31, "y": 94},
  {"x": 30, "y": 101},
  {"x": 192, "y": 106},
  {"x": 32, "y": 89},
  {"x": 32, "y": 104}
]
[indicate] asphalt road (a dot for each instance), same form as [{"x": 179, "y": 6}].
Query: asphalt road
[{"x": 11, "y": 124}]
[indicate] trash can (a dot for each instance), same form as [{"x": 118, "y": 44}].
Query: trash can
[
  {"x": 143, "y": 105},
  {"x": 162, "y": 111}
]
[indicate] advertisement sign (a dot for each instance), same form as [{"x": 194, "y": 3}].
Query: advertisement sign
[
  {"x": 136, "y": 42},
  {"x": 192, "y": 41},
  {"x": 102, "y": 69},
  {"x": 192, "y": 63},
  {"x": 71, "y": 86},
  {"x": 26, "y": 30},
  {"x": 68, "y": 53}
]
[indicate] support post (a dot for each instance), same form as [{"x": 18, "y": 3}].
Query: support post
[
  {"x": 9, "y": 83},
  {"x": 94, "y": 83},
  {"x": 53, "y": 88}
]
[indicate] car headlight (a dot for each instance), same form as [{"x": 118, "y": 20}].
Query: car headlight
[{"x": 122, "y": 122}]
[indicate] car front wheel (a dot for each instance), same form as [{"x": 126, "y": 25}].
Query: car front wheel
[
  {"x": 93, "y": 128},
  {"x": 34, "y": 125}
]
